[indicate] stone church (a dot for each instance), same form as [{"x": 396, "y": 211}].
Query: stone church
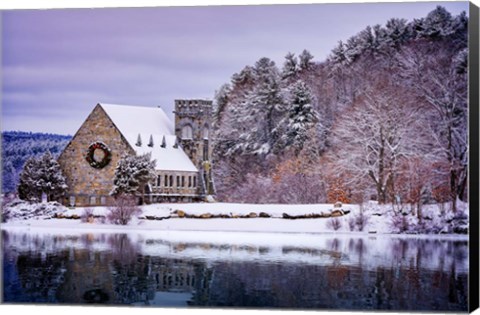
[{"x": 182, "y": 152}]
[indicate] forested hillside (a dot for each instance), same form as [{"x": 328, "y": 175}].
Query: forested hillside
[
  {"x": 18, "y": 146},
  {"x": 383, "y": 118}
]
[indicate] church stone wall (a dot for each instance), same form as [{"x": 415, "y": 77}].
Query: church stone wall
[{"x": 83, "y": 180}]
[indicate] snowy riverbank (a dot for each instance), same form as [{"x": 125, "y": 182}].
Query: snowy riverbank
[{"x": 316, "y": 218}]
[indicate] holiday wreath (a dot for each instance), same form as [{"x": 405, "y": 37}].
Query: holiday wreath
[{"x": 98, "y": 155}]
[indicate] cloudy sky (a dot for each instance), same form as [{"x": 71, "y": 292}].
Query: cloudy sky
[{"x": 57, "y": 64}]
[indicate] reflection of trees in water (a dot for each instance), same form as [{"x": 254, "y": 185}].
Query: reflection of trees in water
[
  {"x": 39, "y": 276},
  {"x": 334, "y": 244},
  {"x": 123, "y": 250},
  {"x": 251, "y": 284}
]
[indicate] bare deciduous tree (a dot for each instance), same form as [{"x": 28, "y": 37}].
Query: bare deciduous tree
[
  {"x": 123, "y": 210},
  {"x": 381, "y": 130}
]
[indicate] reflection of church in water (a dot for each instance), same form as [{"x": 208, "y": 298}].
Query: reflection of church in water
[{"x": 99, "y": 278}]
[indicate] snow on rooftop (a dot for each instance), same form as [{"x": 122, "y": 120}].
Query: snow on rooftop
[
  {"x": 168, "y": 158},
  {"x": 150, "y": 122},
  {"x": 138, "y": 119}
]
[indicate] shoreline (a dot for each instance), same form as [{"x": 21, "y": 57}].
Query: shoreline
[{"x": 204, "y": 226}]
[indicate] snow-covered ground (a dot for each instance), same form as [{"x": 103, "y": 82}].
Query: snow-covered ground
[{"x": 380, "y": 219}]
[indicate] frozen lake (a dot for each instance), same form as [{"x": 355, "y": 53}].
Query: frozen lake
[{"x": 260, "y": 270}]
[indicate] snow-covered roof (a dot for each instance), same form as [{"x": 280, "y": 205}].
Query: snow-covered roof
[
  {"x": 150, "y": 122},
  {"x": 138, "y": 119}
]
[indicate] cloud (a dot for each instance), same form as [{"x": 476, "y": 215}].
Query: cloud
[{"x": 62, "y": 62}]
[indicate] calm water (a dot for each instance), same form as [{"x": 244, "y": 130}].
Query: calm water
[{"x": 327, "y": 272}]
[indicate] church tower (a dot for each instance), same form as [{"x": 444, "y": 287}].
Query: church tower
[{"x": 193, "y": 120}]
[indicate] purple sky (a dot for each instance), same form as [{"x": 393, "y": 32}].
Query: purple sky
[{"x": 57, "y": 64}]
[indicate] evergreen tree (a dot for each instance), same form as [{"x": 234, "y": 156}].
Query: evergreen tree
[
  {"x": 261, "y": 110},
  {"x": 368, "y": 40},
  {"x": 437, "y": 23},
  {"x": 305, "y": 60},
  {"x": 40, "y": 176},
  {"x": 27, "y": 186},
  {"x": 290, "y": 66},
  {"x": 397, "y": 32},
  {"x": 302, "y": 116},
  {"x": 337, "y": 55},
  {"x": 52, "y": 180},
  {"x": 132, "y": 174},
  {"x": 221, "y": 100},
  {"x": 353, "y": 49},
  {"x": 245, "y": 77}
]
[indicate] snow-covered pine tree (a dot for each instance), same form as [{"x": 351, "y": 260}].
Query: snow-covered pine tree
[
  {"x": 228, "y": 123},
  {"x": 245, "y": 77},
  {"x": 337, "y": 56},
  {"x": 353, "y": 49},
  {"x": 302, "y": 117},
  {"x": 305, "y": 60},
  {"x": 52, "y": 181},
  {"x": 132, "y": 174},
  {"x": 438, "y": 23},
  {"x": 368, "y": 40},
  {"x": 262, "y": 110},
  {"x": 397, "y": 32},
  {"x": 221, "y": 100},
  {"x": 290, "y": 66},
  {"x": 42, "y": 175},
  {"x": 27, "y": 185}
]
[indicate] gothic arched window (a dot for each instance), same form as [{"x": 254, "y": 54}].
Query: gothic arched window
[{"x": 187, "y": 132}]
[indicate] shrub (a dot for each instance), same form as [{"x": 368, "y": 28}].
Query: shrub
[
  {"x": 87, "y": 215},
  {"x": 123, "y": 210},
  {"x": 5, "y": 211},
  {"x": 361, "y": 220},
  {"x": 334, "y": 224},
  {"x": 351, "y": 224},
  {"x": 399, "y": 222}
]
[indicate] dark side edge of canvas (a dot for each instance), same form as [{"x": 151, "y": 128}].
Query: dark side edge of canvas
[{"x": 474, "y": 157}]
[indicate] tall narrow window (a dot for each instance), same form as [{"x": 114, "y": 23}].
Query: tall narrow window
[
  {"x": 165, "y": 182},
  {"x": 205, "y": 132},
  {"x": 187, "y": 132},
  {"x": 159, "y": 180},
  {"x": 189, "y": 181},
  {"x": 194, "y": 181},
  {"x": 183, "y": 181},
  {"x": 72, "y": 201},
  {"x": 178, "y": 181},
  {"x": 171, "y": 180},
  {"x": 205, "y": 150},
  {"x": 93, "y": 200}
]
